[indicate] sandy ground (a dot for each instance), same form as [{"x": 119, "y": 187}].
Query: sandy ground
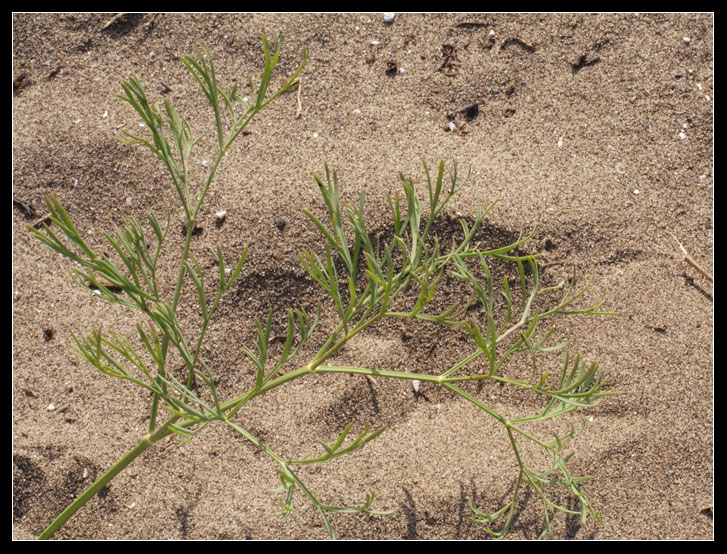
[{"x": 597, "y": 130}]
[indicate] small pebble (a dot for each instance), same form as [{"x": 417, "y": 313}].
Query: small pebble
[
  {"x": 389, "y": 17},
  {"x": 51, "y": 407},
  {"x": 280, "y": 223},
  {"x": 221, "y": 215},
  {"x": 686, "y": 40}
]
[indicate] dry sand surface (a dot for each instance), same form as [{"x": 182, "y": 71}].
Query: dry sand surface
[{"x": 596, "y": 130}]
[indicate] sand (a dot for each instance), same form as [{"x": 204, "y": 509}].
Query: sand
[{"x": 594, "y": 130}]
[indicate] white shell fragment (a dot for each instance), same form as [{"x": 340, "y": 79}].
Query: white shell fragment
[
  {"x": 415, "y": 384},
  {"x": 389, "y": 17},
  {"x": 221, "y": 215}
]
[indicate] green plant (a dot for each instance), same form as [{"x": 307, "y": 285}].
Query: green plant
[{"x": 367, "y": 279}]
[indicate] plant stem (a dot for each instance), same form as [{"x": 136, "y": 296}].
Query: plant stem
[{"x": 102, "y": 481}]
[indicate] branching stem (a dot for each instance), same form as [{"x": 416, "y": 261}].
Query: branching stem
[{"x": 411, "y": 260}]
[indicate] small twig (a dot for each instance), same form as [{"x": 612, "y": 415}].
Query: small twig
[
  {"x": 38, "y": 223},
  {"x": 113, "y": 20},
  {"x": 551, "y": 264},
  {"x": 692, "y": 262},
  {"x": 300, "y": 106},
  {"x": 26, "y": 208},
  {"x": 564, "y": 261},
  {"x": 104, "y": 283}
]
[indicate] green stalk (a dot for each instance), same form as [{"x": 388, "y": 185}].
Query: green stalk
[
  {"x": 102, "y": 481},
  {"x": 175, "y": 302}
]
